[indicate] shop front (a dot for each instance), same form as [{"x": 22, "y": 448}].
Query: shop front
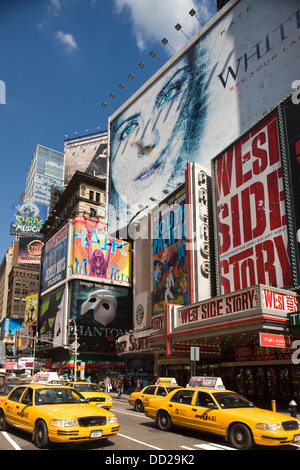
[{"x": 244, "y": 337}]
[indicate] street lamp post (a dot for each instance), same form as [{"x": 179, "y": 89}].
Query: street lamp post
[{"x": 75, "y": 348}]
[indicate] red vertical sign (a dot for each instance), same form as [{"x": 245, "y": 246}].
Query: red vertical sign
[{"x": 253, "y": 241}]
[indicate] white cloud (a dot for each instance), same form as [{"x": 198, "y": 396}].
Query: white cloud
[
  {"x": 67, "y": 40},
  {"x": 152, "y": 20}
]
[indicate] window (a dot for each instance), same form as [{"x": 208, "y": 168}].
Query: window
[
  {"x": 150, "y": 390},
  {"x": 16, "y": 393},
  {"x": 183, "y": 396},
  {"x": 203, "y": 399},
  {"x": 91, "y": 195},
  {"x": 161, "y": 391}
]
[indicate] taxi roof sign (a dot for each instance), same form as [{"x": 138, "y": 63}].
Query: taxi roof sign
[
  {"x": 207, "y": 382},
  {"x": 166, "y": 381}
]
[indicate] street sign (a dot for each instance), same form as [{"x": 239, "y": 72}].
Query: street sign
[{"x": 195, "y": 353}]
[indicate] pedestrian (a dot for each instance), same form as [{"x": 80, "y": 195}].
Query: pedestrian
[{"x": 119, "y": 387}]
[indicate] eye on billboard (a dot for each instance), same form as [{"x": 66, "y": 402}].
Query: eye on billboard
[
  {"x": 252, "y": 233},
  {"x": 231, "y": 73},
  {"x": 95, "y": 254}
]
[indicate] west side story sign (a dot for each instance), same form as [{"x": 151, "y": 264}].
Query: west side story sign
[{"x": 253, "y": 299}]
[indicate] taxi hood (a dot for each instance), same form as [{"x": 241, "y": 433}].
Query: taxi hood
[{"x": 258, "y": 415}]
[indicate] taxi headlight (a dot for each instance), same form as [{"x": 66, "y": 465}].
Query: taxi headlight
[
  {"x": 268, "y": 427},
  {"x": 111, "y": 419},
  {"x": 63, "y": 423}
]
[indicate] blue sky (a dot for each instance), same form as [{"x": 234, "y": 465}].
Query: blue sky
[{"x": 60, "y": 59}]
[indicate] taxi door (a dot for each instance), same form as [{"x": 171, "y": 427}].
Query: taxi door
[
  {"x": 12, "y": 405},
  {"x": 25, "y": 409},
  {"x": 147, "y": 394},
  {"x": 179, "y": 407},
  {"x": 203, "y": 415}
]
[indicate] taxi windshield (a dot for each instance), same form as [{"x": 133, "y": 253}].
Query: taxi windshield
[
  {"x": 228, "y": 400},
  {"x": 87, "y": 387},
  {"x": 54, "y": 396}
]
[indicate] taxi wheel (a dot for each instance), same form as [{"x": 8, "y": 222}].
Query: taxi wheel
[
  {"x": 41, "y": 435},
  {"x": 240, "y": 436},
  {"x": 138, "y": 406},
  {"x": 164, "y": 421},
  {"x": 3, "y": 424}
]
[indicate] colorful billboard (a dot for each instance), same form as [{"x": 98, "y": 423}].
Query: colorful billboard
[
  {"x": 55, "y": 258},
  {"x": 102, "y": 312},
  {"x": 51, "y": 318},
  {"x": 202, "y": 100},
  {"x": 27, "y": 218},
  {"x": 170, "y": 283},
  {"x": 31, "y": 308},
  {"x": 96, "y": 255},
  {"x": 251, "y": 228},
  {"x": 87, "y": 154},
  {"x": 30, "y": 250}
]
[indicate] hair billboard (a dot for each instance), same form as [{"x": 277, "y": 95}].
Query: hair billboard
[
  {"x": 251, "y": 214},
  {"x": 202, "y": 100}
]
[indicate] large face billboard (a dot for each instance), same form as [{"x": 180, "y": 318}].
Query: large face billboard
[
  {"x": 202, "y": 100},
  {"x": 102, "y": 312},
  {"x": 95, "y": 254},
  {"x": 251, "y": 211}
]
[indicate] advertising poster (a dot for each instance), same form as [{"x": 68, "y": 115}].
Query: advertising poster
[
  {"x": 30, "y": 250},
  {"x": 31, "y": 308},
  {"x": 292, "y": 119},
  {"x": 55, "y": 258},
  {"x": 102, "y": 312},
  {"x": 95, "y": 254},
  {"x": 51, "y": 318},
  {"x": 170, "y": 284},
  {"x": 251, "y": 211},
  {"x": 86, "y": 154},
  {"x": 27, "y": 218},
  {"x": 252, "y": 51}
]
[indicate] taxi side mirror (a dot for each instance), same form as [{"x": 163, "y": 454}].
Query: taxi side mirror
[{"x": 211, "y": 405}]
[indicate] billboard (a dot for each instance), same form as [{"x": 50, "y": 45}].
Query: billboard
[
  {"x": 30, "y": 250},
  {"x": 55, "y": 259},
  {"x": 292, "y": 121},
  {"x": 31, "y": 308},
  {"x": 252, "y": 234},
  {"x": 52, "y": 317},
  {"x": 87, "y": 154},
  {"x": 95, "y": 254},
  {"x": 102, "y": 312},
  {"x": 170, "y": 283},
  {"x": 202, "y": 100},
  {"x": 27, "y": 218}
]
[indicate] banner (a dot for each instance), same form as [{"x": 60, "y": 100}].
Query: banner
[
  {"x": 95, "y": 255},
  {"x": 170, "y": 284},
  {"x": 55, "y": 259},
  {"x": 102, "y": 312},
  {"x": 27, "y": 218},
  {"x": 30, "y": 250},
  {"x": 251, "y": 212},
  {"x": 202, "y": 100}
]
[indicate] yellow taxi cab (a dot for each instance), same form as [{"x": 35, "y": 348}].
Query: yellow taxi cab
[
  {"x": 56, "y": 414},
  {"x": 93, "y": 394},
  {"x": 205, "y": 405},
  {"x": 162, "y": 387}
]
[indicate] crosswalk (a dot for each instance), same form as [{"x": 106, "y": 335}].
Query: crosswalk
[{"x": 210, "y": 446}]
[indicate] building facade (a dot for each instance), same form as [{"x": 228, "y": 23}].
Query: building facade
[{"x": 46, "y": 169}]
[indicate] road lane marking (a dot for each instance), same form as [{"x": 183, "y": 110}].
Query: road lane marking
[
  {"x": 137, "y": 415},
  {"x": 139, "y": 442},
  {"x": 12, "y": 442}
]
